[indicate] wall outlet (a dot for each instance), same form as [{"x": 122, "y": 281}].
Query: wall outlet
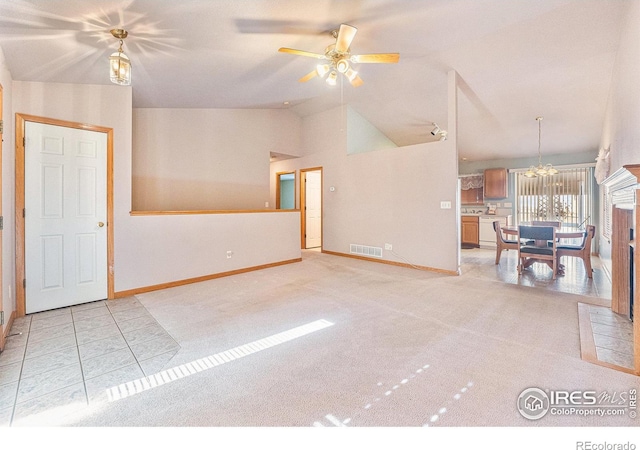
[
  {"x": 266, "y": 204},
  {"x": 229, "y": 253},
  {"x": 388, "y": 247},
  {"x": 445, "y": 205}
]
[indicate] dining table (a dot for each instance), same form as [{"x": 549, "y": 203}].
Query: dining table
[{"x": 561, "y": 233}]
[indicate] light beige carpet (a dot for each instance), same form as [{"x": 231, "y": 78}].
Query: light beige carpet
[{"x": 406, "y": 348}]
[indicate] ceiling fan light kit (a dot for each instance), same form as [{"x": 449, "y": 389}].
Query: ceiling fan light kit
[
  {"x": 540, "y": 171},
  {"x": 119, "y": 63},
  {"x": 339, "y": 58}
]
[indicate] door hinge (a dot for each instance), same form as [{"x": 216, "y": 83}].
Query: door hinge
[
  {"x": 1, "y": 317},
  {"x": 1, "y": 126},
  {"x": 22, "y": 212},
  {"x": 1, "y": 223},
  {"x": 24, "y": 283}
]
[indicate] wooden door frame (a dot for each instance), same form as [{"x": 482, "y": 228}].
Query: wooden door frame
[
  {"x": 21, "y": 120},
  {"x": 278, "y": 175},
  {"x": 303, "y": 206}
]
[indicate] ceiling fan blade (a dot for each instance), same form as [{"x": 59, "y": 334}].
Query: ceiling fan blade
[
  {"x": 345, "y": 37},
  {"x": 308, "y": 76},
  {"x": 356, "y": 81},
  {"x": 302, "y": 53},
  {"x": 376, "y": 58}
]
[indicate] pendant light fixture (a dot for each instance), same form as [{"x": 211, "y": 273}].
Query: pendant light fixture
[
  {"x": 119, "y": 63},
  {"x": 540, "y": 171}
]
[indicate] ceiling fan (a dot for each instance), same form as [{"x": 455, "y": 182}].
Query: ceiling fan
[{"x": 338, "y": 58}]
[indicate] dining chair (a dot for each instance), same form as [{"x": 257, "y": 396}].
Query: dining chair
[
  {"x": 546, "y": 223},
  {"x": 543, "y": 248},
  {"x": 501, "y": 242},
  {"x": 582, "y": 250}
]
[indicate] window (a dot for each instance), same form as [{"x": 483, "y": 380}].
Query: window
[{"x": 567, "y": 196}]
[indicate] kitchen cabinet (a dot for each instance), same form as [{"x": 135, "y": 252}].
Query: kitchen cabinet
[
  {"x": 470, "y": 230},
  {"x": 495, "y": 183},
  {"x": 472, "y": 196}
]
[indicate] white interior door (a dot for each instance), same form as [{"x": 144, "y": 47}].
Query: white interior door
[
  {"x": 65, "y": 216},
  {"x": 313, "y": 212}
]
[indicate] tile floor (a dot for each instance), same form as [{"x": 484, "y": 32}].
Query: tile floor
[
  {"x": 69, "y": 357},
  {"x": 613, "y": 336},
  {"x": 480, "y": 263}
]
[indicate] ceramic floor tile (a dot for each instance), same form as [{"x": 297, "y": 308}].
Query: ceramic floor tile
[
  {"x": 51, "y": 332},
  {"x": 10, "y": 373},
  {"x": 5, "y": 417},
  {"x": 153, "y": 331},
  {"x": 12, "y": 355},
  {"x": 50, "y": 321},
  {"x": 8, "y": 393},
  {"x": 50, "y": 361},
  {"x": 134, "y": 324},
  {"x": 21, "y": 325},
  {"x": 101, "y": 347},
  {"x": 97, "y": 387},
  {"x": 49, "y": 314},
  {"x": 612, "y": 343},
  {"x": 92, "y": 312},
  {"x": 616, "y": 358},
  {"x": 91, "y": 323},
  {"x": 52, "y": 409},
  {"x": 90, "y": 305},
  {"x": 100, "y": 365},
  {"x": 123, "y": 304},
  {"x": 16, "y": 340},
  {"x": 149, "y": 349},
  {"x": 619, "y": 331},
  {"x": 50, "y": 345},
  {"x": 131, "y": 313},
  {"x": 609, "y": 319},
  {"x": 47, "y": 382},
  {"x": 98, "y": 333}
]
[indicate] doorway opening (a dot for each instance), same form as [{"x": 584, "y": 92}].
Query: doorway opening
[
  {"x": 311, "y": 207},
  {"x": 286, "y": 190}
]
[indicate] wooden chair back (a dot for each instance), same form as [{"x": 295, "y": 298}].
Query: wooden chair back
[
  {"x": 582, "y": 251},
  {"x": 501, "y": 242}
]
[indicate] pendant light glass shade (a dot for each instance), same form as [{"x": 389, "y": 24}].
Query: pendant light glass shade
[
  {"x": 540, "y": 171},
  {"x": 119, "y": 63}
]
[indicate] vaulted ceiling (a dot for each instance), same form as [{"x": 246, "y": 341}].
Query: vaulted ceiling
[{"x": 517, "y": 59}]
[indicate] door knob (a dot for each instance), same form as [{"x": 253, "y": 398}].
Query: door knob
[{"x": 100, "y": 224}]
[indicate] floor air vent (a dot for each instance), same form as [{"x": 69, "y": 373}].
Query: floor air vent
[{"x": 365, "y": 250}]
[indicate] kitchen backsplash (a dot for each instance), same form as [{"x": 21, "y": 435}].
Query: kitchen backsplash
[{"x": 473, "y": 209}]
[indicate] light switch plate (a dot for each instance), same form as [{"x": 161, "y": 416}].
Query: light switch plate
[{"x": 445, "y": 205}]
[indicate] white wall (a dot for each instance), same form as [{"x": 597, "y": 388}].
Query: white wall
[
  {"x": 621, "y": 130},
  {"x": 8, "y": 197},
  {"x": 362, "y": 136},
  {"x": 385, "y": 196},
  {"x": 207, "y": 159},
  {"x": 160, "y": 249}
]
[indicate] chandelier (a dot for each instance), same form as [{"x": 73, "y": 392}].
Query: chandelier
[
  {"x": 119, "y": 63},
  {"x": 540, "y": 171}
]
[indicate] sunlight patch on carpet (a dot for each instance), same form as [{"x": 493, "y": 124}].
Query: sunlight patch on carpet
[{"x": 134, "y": 387}]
